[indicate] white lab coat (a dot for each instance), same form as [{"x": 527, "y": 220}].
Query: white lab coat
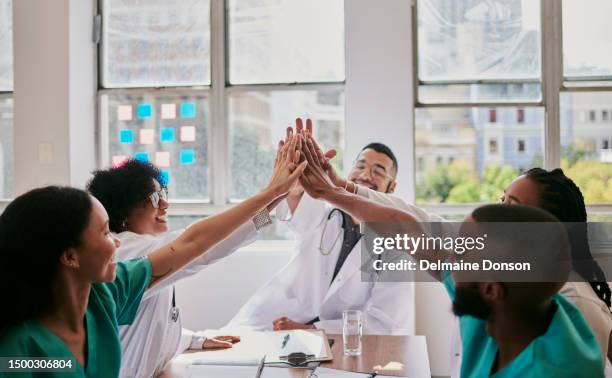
[
  {"x": 301, "y": 291},
  {"x": 154, "y": 338}
]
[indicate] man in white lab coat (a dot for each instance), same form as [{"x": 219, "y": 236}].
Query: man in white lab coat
[{"x": 324, "y": 277}]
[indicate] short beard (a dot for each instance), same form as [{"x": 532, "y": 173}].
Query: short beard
[{"x": 469, "y": 302}]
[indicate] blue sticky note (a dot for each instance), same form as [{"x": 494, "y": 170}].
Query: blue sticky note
[
  {"x": 166, "y": 134},
  {"x": 164, "y": 178},
  {"x": 144, "y": 111},
  {"x": 188, "y": 110},
  {"x": 142, "y": 156},
  {"x": 126, "y": 136},
  {"x": 187, "y": 156}
]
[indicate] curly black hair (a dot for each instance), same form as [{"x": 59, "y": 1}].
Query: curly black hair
[
  {"x": 561, "y": 197},
  {"x": 124, "y": 188}
]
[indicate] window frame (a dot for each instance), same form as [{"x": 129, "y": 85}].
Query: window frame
[
  {"x": 218, "y": 93},
  {"x": 553, "y": 83}
]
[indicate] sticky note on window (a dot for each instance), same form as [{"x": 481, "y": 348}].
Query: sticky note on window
[
  {"x": 118, "y": 160},
  {"x": 142, "y": 156},
  {"x": 166, "y": 134},
  {"x": 124, "y": 112},
  {"x": 147, "y": 136},
  {"x": 188, "y": 110},
  {"x": 164, "y": 178},
  {"x": 187, "y": 156},
  {"x": 126, "y": 136},
  {"x": 162, "y": 159},
  {"x": 144, "y": 111},
  {"x": 188, "y": 134},
  {"x": 168, "y": 111}
]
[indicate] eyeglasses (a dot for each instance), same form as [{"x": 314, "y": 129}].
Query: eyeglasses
[
  {"x": 157, "y": 196},
  {"x": 376, "y": 171}
]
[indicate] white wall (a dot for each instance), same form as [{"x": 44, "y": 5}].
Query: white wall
[
  {"x": 379, "y": 82},
  {"x": 54, "y": 81}
]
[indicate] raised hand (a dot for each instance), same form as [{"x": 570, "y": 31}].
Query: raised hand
[
  {"x": 315, "y": 180},
  {"x": 287, "y": 166},
  {"x": 324, "y": 157}
]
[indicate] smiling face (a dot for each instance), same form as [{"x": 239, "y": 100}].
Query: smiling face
[
  {"x": 95, "y": 256},
  {"x": 522, "y": 191},
  {"x": 374, "y": 170},
  {"x": 146, "y": 219}
]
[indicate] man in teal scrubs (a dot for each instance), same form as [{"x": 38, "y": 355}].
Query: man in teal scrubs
[
  {"x": 110, "y": 304},
  {"x": 521, "y": 329}
]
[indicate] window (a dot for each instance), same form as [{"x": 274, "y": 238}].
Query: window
[
  {"x": 479, "y": 73},
  {"x": 587, "y": 21},
  {"x": 520, "y": 115},
  {"x": 272, "y": 41},
  {"x": 480, "y": 169},
  {"x": 492, "y": 146},
  {"x": 155, "y": 43},
  {"x": 485, "y": 57},
  {"x": 492, "y": 115},
  {"x": 7, "y": 165},
  {"x": 211, "y": 118}
]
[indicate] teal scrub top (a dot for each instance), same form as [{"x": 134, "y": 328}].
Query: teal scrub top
[
  {"x": 110, "y": 304},
  {"x": 567, "y": 349}
]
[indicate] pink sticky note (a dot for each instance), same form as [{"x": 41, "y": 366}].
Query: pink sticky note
[
  {"x": 162, "y": 159},
  {"x": 168, "y": 111},
  {"x": 118, "y": 160},
  {"x": 147, "y": 136},
  {"x": 124, "y": 112},
  {"x": 188, "y": 134}
]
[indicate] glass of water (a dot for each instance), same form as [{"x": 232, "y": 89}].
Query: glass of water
[{"x": 351, "y": 332}]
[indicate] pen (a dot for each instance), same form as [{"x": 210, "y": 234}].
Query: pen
[
  {"x": 285, "y": 340},
  {"x": 261, "y": 366}
]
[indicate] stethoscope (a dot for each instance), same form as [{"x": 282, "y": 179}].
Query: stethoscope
[
  {"x": 323, "y": 233},
  {"x": 323, "y": 252}
]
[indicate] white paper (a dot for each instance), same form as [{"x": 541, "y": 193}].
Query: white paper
[
  {"x": 333, "y": 373},
  {"x": 254, "y": 345}
]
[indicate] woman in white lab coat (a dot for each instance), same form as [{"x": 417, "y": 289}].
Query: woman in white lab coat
[{"x": 136, "y": 200}]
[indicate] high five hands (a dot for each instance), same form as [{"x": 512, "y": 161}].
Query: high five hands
[{"x": 318, "y": 177}]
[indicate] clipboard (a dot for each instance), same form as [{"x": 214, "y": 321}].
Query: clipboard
[{"x": 254, "y": 345}]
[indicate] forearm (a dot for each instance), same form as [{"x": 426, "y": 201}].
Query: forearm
[
  {"x": 202, "y": 235},
  {"x": 365, "y": 210},
  {"x": 386, "y": 221}
]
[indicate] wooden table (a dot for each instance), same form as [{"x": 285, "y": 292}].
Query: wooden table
[{"x": 404, "y": 356}]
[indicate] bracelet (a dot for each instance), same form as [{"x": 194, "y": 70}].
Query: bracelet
[{"x": 262, "y": 219}]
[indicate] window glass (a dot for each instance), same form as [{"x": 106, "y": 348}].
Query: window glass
[
  {"x": 168, "y": 130},
  {"x": 479, "y": 39},
  {"x": 469, "y": 156},
  {"x": 155, "y": 43},
  {"x": 6, "y": 45},
  {"x": 587, "y": 38},
  {"x": 286, "y": 41},
  {"x": 584, "y": 156},
  {"x": 258, "y": 120}
]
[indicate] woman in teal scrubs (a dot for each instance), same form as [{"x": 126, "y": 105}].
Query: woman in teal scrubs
[{"x": 63, "y": 293}]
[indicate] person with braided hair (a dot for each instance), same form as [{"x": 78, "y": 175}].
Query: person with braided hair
[{"x": 556, "y": 193}]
